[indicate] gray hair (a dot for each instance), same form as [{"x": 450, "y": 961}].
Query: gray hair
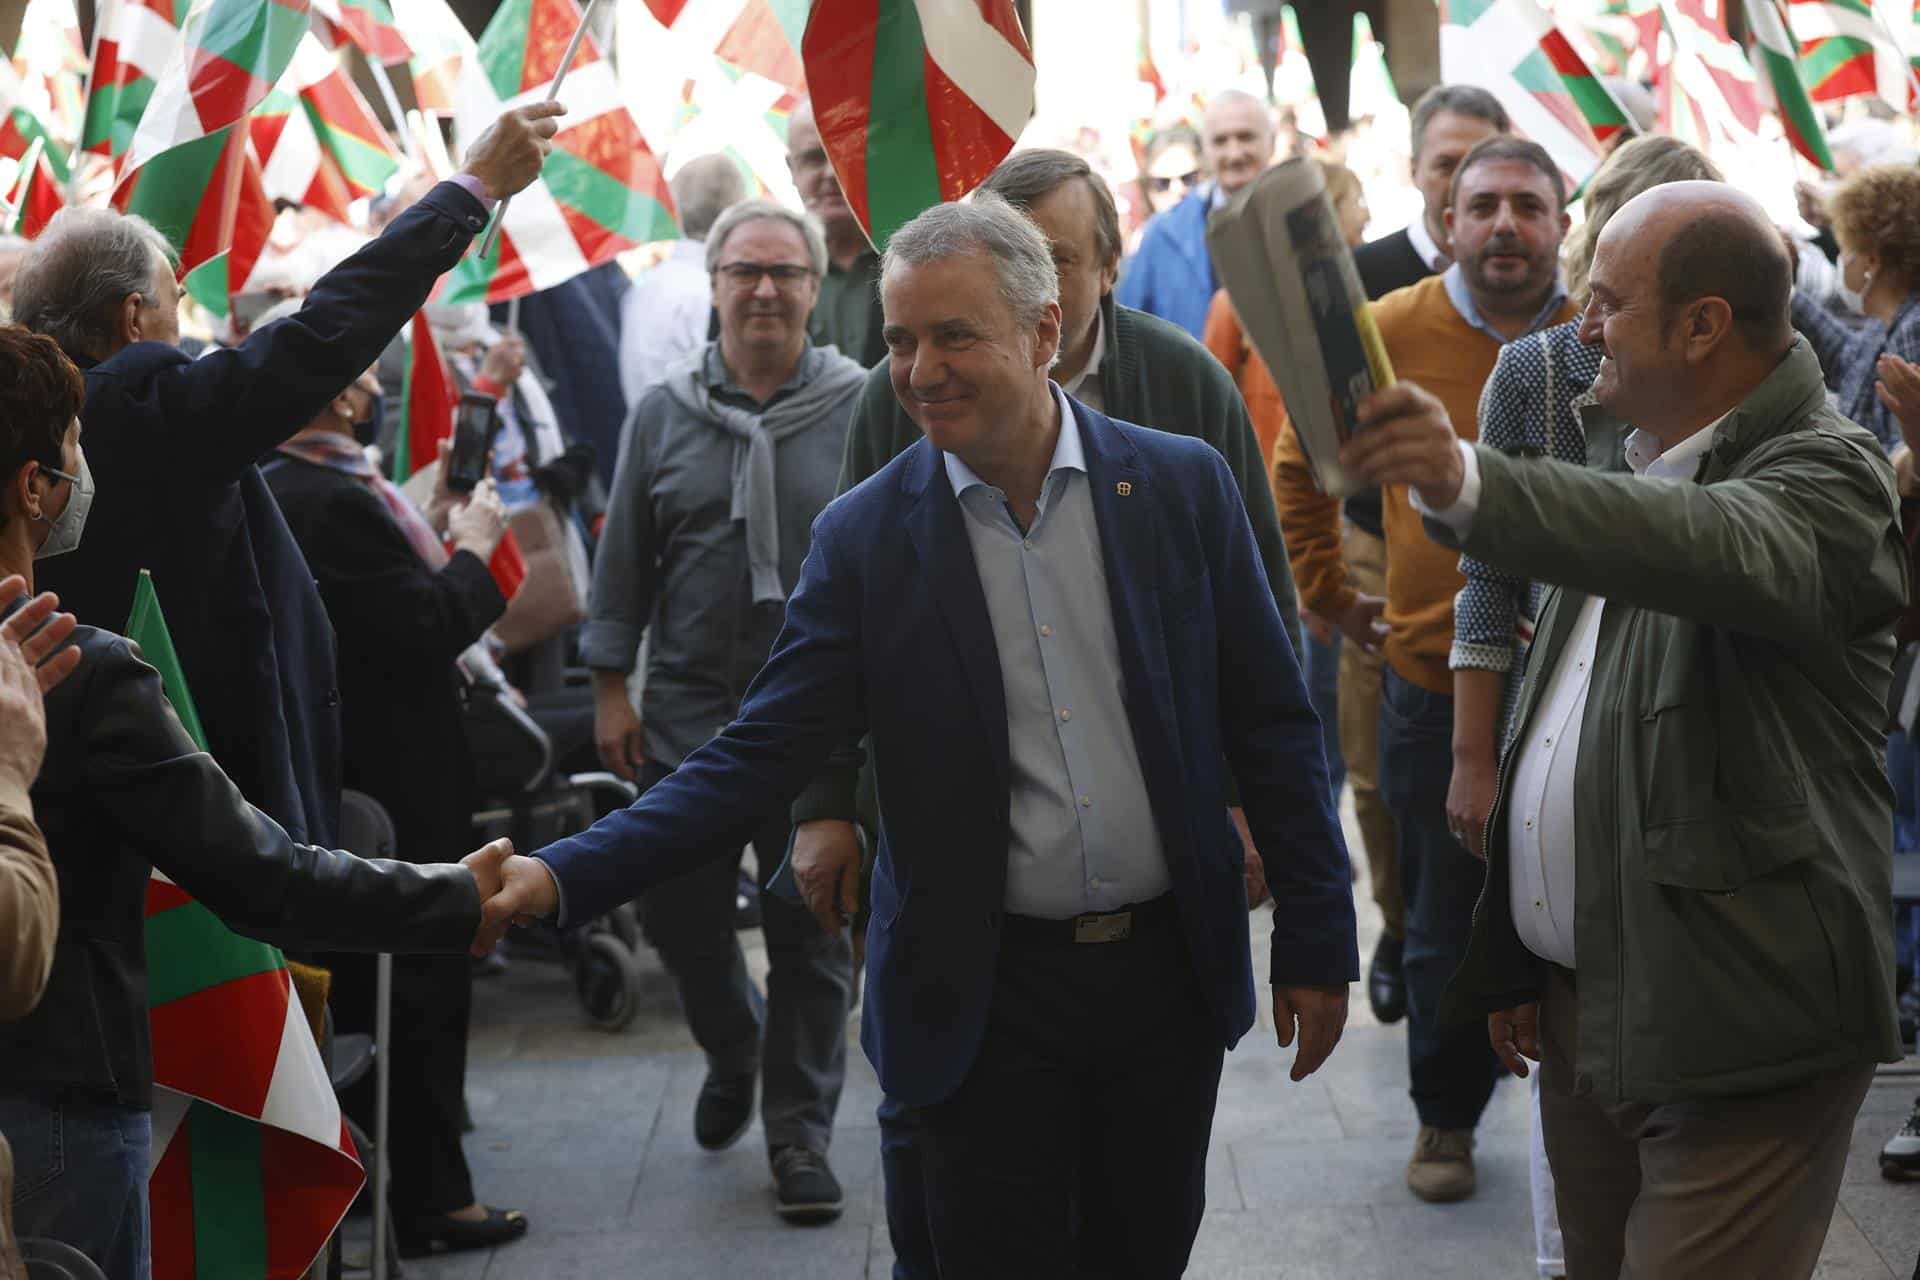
[
  {"x": 1459, "y": 100},
  {"x": 85, "y": 263},
  {"x": 985, "y": 225},
  {"x": 703, "y": 189},
  {"x": 768, "y": 211}
]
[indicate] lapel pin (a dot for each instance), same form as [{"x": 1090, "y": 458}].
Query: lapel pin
[{"x": 1123, "y": 489}]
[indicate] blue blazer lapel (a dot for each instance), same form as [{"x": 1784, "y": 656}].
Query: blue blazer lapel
[
  {"x": 1125, "y": 510},
  {"x": 935, "y": 524}
]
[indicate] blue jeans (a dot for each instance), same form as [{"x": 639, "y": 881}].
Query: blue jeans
[
  {"x": 1321, "y": 668},
  {"x": 80, "y": 1177},
  {"x": 1903, "y": 770},
  {"x": 1451, "y": 1071}
]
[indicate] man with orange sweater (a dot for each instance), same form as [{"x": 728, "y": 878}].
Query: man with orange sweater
[{"x": 1506, "y": 219}]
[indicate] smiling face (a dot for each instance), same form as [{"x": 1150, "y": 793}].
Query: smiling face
[
  {"x": 1642, "y": 362},
  {"x": 963, "y": 366},
  {"x": 1238, "y": 137},
  {"x": 1506, "y": 225},
  {"x": 764, "y": 287}
]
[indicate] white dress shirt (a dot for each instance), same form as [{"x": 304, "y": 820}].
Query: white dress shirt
[
  {"x": 663, "y": 318},
  {"x": 1085, "y": 385},
  {"x": 1430, "y": 253},
  {"x": 1540, "y": 813}
]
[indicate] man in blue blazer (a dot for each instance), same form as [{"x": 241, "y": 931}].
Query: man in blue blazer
[{"x": 1058, "y": 632}]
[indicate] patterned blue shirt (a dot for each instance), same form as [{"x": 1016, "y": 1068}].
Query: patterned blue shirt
[
  {"x": 1531, "y": 407},
  {"x": 1848, "y": 350}
]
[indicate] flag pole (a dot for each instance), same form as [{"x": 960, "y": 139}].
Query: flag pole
[
  {"x": 391, "y": 100},
  {"x": 492, "y": 234},
  {"x": 100, "y": 11},
  {"x": 17, "y": 198}
]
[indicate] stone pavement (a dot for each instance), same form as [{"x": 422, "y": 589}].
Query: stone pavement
[{"x": 592, "y": 1135}]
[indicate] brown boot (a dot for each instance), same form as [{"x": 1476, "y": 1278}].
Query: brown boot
[{"x": 1441, "y": 1170}]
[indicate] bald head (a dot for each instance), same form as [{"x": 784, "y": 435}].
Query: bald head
[
  {"x": 1711, "y": 240},
  {"x": 1237, "y": 135}
]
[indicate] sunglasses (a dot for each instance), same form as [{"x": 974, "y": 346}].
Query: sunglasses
[{"x": 1186, "y": 181}]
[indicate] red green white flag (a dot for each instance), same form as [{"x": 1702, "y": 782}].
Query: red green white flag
[
  {"x": 38, "y": 195},
  {"x": 21, "y": 125},
  {"x": 441, "y": 47},
  {"x": 1848, "y": 49},
  {"x": 1707, "y": 93},
  {"x": 138, "y": 41},
  {"x": 252, "y": 1168},
  {"x": 427, "y": 405},
  {"x": 601, "y": 191},
  {"x": 1777, "y": 58},
  {"x": 319, "y": 143},
  {"x": 761, "y": 36},
  {"x": 52, "y": 62},
  {"x": 917, "y": 100},
  {"x": 1515, "y": 51},
  {"x": 369, "y": 24}
]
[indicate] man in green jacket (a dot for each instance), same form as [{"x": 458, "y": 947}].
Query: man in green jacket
[
  {"x": 1687, "y": 915},
  {"x": 1130, "y": 366}
]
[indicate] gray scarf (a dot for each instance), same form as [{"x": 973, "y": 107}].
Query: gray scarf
[{"x": 755, "y": 499}]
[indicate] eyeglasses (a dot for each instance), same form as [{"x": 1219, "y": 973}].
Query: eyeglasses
[
  {"x": 746, "y": 275},
  {"x": 1186, "y": 180}
]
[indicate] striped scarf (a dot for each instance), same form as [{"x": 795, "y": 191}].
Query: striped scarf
[{"x": 330, "y": 449}]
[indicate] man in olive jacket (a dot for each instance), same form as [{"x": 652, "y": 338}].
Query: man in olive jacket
[
  {"x": 1695, "y": 789},
  {"x": 1125, "y": 363}
]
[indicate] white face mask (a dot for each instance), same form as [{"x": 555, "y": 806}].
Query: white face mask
[
  {"x": 1855, "y": 299},
  {"x": 67, "y": 526}
]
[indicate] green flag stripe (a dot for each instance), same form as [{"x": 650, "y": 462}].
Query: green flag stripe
[
  {"x": 503, "y": 47},
  {"x": 1464, "y": 13},
  {"x": 1828, "y": 56},
  {"x": 258, "y": 35},
  {"x": 1796, "y": 109},
  {"x": 169, "y": 188},
  {"x": 360, "y": 160},
  {"x": 902, "y": 182},
  {"x": 147, "y": 627},
  {"x": 402, "y": 466},
  {"x": 209, "y": 284},
  {"x": 229, "y": 1202},
  {"x": 605, "y": 199},
  {"x": 189, "y": 950},
  {"x": 1594, "y": 102}
]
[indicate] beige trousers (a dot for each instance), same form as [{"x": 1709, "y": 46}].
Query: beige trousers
[
  {"x": 1709, "y": 1190},
  {"x": 1359, "y": 689}
]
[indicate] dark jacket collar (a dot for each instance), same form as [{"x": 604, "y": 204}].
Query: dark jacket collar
[{"x": 1785, "y": 399}]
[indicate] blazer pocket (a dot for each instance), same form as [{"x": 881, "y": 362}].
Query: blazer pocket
[{"x": 1722, "y": 853}]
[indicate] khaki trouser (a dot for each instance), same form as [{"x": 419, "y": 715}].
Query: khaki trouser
[
  {"x": 1360, "y": 674},
  {"x": 1707, "y": 1190}
]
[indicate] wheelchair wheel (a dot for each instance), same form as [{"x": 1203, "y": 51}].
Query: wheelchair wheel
[
  {"x": 607, "y": 979},
  {"x": 624, "y": 921}
]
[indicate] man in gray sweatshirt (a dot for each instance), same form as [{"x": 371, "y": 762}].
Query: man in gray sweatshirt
[{"x": 727, "y": 461}]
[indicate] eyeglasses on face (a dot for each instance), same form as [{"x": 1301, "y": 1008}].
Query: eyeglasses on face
[{"x": 746, "y": 275}]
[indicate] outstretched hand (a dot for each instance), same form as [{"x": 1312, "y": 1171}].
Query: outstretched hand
[
  {"x": 1406, "y": 438},
  {"x": 508, "y": 156},
  {"x": 513, "y": 890},
  {"x": 1321, "y": 1014}
]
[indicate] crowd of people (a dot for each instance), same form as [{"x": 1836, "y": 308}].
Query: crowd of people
[{"x": 985, "y": 583}]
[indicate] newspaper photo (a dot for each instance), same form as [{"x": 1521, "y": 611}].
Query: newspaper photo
[{"x": 1290, "y": 276}]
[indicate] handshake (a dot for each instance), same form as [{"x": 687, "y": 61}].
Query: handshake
[{"x": 513, "y": 890}]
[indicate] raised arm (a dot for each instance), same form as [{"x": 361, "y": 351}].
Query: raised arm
[{"x": 274, "y": 383}]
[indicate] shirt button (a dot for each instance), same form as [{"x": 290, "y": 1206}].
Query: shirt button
[
  {"x": 1549, "y": 741},
  {"x": 1046, "y": 630},
  {"x": 1095, "y": 883},
  {"x": 1539, "y": 905},
  {"x": 1529, "y": 824},
  {"x": 1066, "y": 713},
  {"x": 1027, "y": 543},
  {"x": 1086, "y": 802}
]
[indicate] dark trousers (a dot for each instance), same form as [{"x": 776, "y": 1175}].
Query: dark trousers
[
  {"x": 797, "y": 1037},
  {"x": 1077, "y": 1143},
  {"x": 1451, "y": 1071},
  {"x": 80, "y": 1177},
  {"x": 432, "y": 1004}
]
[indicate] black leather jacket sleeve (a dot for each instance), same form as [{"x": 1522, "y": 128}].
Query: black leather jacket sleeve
[{"x": 169, "y": 801}]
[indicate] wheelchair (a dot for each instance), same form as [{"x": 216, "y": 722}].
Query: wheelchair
[{"x": 523, "y": 797}]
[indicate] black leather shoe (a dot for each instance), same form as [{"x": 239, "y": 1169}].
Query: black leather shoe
[
  {"x": 805, "y": 1189},
  {"x": 724, "y": 1111},
  {"x": 1386, "y": 982},
  {"x": 444, "y": 1234}
]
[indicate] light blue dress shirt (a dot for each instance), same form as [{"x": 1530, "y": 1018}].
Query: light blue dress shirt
[
  {"x": 1454, "y": 280},
  {"x": 1082, "y": 836}
]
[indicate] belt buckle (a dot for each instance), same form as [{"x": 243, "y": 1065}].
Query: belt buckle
[{"x": 1116, "y": 927}]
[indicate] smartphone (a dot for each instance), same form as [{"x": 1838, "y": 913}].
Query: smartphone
[{"x": 473, "y": 427}]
